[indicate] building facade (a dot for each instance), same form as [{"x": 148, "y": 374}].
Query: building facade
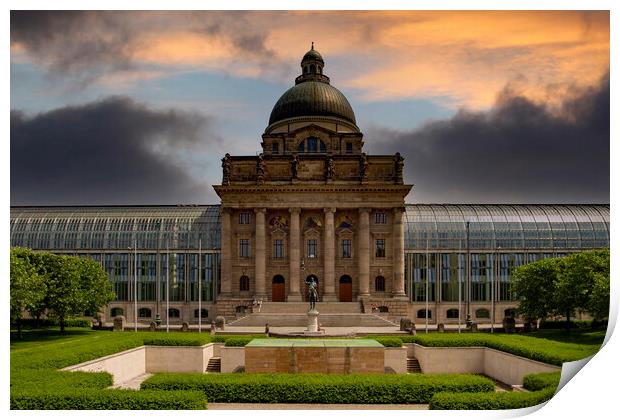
[{"x": 312, "y": 205}]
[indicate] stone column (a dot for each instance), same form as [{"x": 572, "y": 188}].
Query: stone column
[
  {"x": 293, "y": 255},
  {"x": 226, "y": 255},
  {"x": 329, "y": 258},
  {"x": 259, "y": 255},
  {"x": 398, "y": 255},
  {"x": 363, "y": 251}
]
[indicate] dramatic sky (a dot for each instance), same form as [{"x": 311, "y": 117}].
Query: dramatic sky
[{"x": 139, "y": 107}]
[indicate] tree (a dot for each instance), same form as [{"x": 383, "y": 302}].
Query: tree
[
  {"x": 583, "y": 283},
  {"x": 560, "y": 286},
  {"x": 73, "y": 286},
  {"x": 534, "y": 288},
  {"x": 95, "y": 286},
  {"x": 27, "y": 287}
]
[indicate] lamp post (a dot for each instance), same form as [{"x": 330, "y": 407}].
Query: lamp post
[
  {"x": 199, "y": 285},
  {"x": 468, "y": 320},
  {"x": 135, "y": 285}
]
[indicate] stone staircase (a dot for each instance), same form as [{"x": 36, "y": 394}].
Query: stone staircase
[
  {"x": 294, "y": 314},
  {"x": 413, "y": 366},
  {"x": 214, "y": 365}
]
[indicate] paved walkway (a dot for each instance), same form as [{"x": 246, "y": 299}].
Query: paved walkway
[{"x": 227, "y": 406}]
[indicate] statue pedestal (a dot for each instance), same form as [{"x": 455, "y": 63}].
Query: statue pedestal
[{"x": 313, "y": 321}]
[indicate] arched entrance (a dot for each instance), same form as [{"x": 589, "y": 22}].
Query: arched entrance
[
  {"x": 318, "y": 287},
  {"x": 278, "y": 289},
  {"x": 346, "y": 289}
]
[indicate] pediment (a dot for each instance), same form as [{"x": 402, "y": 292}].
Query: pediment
[
  {"x": 312, "y": 232},
  {"x": 345, "y": 231},
  {"x": 278, "y": 231},
  {"x": 311, "y": 130}
]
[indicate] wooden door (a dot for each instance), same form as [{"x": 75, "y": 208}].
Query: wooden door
[
  {"x": 346, "y": 289},
  {"x": 278, "y": 293}
]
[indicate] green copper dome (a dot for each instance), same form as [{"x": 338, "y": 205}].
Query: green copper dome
[
  {"x": 312, "y": 98},
  {"x": 312, "y": 94}
]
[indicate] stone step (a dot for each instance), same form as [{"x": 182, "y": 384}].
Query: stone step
[
  {"x": 413, "y": 366},
  {"x": 301, "y": 320},
  {"x": 303, "y": 307},
  {"x": 214, "y": 365}
]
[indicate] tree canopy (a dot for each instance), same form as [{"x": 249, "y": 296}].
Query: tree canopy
[
  {"x": 62, "y": 286},
  {"x": 561, "y": 286}
]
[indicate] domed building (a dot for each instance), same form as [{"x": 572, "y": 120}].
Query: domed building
[{"x": 312, "y": 207}]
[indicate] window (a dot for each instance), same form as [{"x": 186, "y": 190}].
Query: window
[
  {"x": 510, "y": 312},
  {"x": 203, "y": 313},
  {"x": 312, "y": 144},
  {"x": 244, "y": 248},
  {"x": 422, "y": 313},
  {"x": 312, "y": 248},
  {"x": 244, "y": 218},
  {"x": 174, "y": 313},
  {"x": 300, "y": 148},
  {"x": 275, "y": 148},
  {"x": 144, "y": 313},
  {"x": 346, "y": 248},
  {"x": 482, "y": 313},
  {"x": 380, "y": 284},
  {"x": 116, "y": 312},
  {"x": 278, "y": 248},
  {"x": 380, "y": 218},
  {"x": 452, "y": 313},
  {"x": 244, "y": 283},
  {"x": 380, "y": 248},
  {"x": 349, "y": 146}
]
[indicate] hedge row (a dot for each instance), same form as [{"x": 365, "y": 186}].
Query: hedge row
[
  {"x": 316, "y": 388},
  {"x": 48, "y": 322},
  {"x": 180, "y": 340},
  {"x": 543, "y": 350},
  {"x": 539, "y": 381},
  {"x": 553, "y": 325},
  {"x": 389, "y": 341},
  {"x": 76, "y": 399},
  {"x": 489, "y": 400}
]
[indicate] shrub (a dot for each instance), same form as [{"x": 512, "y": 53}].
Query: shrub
[
  {"x": 489, "y": 400},
  {"x": 50, "y": 322},
  {"x": 237, "y": 341},
  {"x": 553, "y": 325},
  {"x": 76, "y": 399},
  {"x": 541, "y": 349},
  {"x": 176, "y": 340},
  {"x": 317, "y": 388},
  {"x": 389, "y": 341},
  {"x": 538, "y": 381}
]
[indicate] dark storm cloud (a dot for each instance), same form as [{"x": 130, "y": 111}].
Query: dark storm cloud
[
  {"x": 71, "y": 42},
  {"x": 113, "y": 151},
  {"x": 519, "y": 151},
  {"x": 82, "y": 46}
]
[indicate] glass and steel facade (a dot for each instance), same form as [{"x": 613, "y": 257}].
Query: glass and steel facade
[
  {"x": 169, "y": 248},
  {"x": 449, "y": 245},
  {"x": 171, "y": 251}
]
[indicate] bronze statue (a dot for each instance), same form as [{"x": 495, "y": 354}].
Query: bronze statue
[{"x": 313, "y": 296}]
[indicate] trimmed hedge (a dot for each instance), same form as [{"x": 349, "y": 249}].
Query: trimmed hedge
[
  {"x": 166, "y": 340},
  {"x": 50, "y": 322},
  {"x": 489, "y": 400},
  {"x": 237, "y": 341},
  {"x": 541, "y": 349},
  {"x": 538, "y": 381},
  {"x": 317, "y": 388},
  {"x": 76, "y": 399},
  {"x": 389, "y": 341}
]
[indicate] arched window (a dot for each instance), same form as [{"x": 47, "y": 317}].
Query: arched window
[
  {"x": 144, "y": 313},
  {"x": 510, "y": 312},
  {"x": 482, "y": 313},
  {"x": 312, "y": 68},
  {"x": 244, "y": 283},
  {"x": 380, "y": 284},
  {"x": 312, "y": 145},
  {"x": 174, "y": 313},
  {"x": 452, "y": 313},
  {"x": 422, "y": 313},
  {"x": 383, "y": 309},
  {"x": 305, "y": 69},
  {"x": 116, "y": 312},
  {"x": 203, "y": 313},
  {"x": 301, "y": 146}
]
